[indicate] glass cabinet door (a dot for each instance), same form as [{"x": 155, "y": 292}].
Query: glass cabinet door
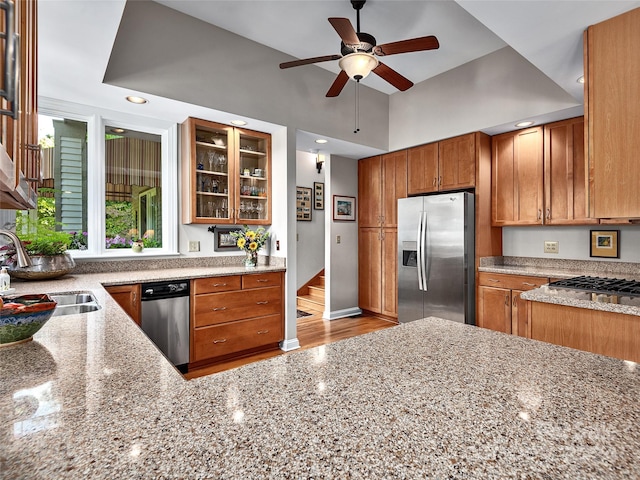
[
  {"x": 211, "y": 163},
  {"x": 254, "y": 169}
]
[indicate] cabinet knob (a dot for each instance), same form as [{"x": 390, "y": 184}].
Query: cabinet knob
[
  {"x": 262, "y": 303},
  {"x": 440, "y": 181},
  {"x": 435, "y": 181},
  {"x": 493, "y": 280},
  {"x": 539, "y": 214},
  {"x": 262, "y": 332},
  {"x": 529, "y": 284},
  {"x": 262, "y": 280},
  {"x": 135, "y": 298},
  {"x": 548, "y": 214},
  {"x": 506, "y": 300},
  {"x": 219, "y": 309},
  {"x": 219, "y": 284},
  {"x": 220, "y": 340}
]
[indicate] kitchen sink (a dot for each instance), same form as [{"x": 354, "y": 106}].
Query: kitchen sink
[{"x": 70, "y": 303}]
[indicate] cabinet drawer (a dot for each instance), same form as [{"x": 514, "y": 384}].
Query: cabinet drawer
[
  {"x": 516, "y": 282},
  {"x": 260, "y": 280},
  {"x": 235, "y": 337},
  {"x": 214, "y": 308},
  {"x": 216, "y": 284}
]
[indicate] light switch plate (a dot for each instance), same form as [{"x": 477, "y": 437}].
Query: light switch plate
[
  {"x": 550, "y": 247},
  {"x": 194, "y": 246}
]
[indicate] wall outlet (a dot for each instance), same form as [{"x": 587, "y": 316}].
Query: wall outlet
[
  {"x": 550, "y": 247},
  {"x": 194, "y": 246},
  {"x": 337, "y": 238}
]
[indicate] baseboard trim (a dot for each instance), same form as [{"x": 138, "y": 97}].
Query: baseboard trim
[
  {"x": 346, "y": 312},
  {"x": 288, "y": 345}
]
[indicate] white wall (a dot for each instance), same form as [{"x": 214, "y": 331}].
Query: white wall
[
  {"x": 310, "y": 235},
  {"x": 341, "y": 259},
  {"x": 493, "y": 90},
  {"x": 573, "y": 242}
]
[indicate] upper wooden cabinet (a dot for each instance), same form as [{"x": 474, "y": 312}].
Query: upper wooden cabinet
[
  {"x": 422, "y": 167},
  {"x": 612, "y": 111},
  {"x": 446, "y": 165},
  {"x": 369, "y": 187},
  {"x": 517, "y": 178},
  {"x": 382, "y": 180},
  {"x": 564, "y": 173},
  {"x": 20, "y": 154},
  {"x": 226, "y": 174}
]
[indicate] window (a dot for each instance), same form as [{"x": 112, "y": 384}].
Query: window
[{"x": 106, "y": 182}]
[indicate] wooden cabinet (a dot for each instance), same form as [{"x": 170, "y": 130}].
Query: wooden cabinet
[
  {"x": 369, "y": 189},
  {"x": 394, "y": 185},
  {"x": 499, "y": 304},
  {"x": 613, "y": 334},
  {"x": 226, "y": 174},
  {"x": 369, "y": 269},
  {"x": 20, "y": 154},
  {"x": 382, "y": 180},
  {"x": 565, "y": 174},
  {"x": 128, "y": 297},
  {"x": 389, "y": 271},
  {"x": 446, "y": 165},
  {"x": 612, "y": 115},
  {"x": 422, "y": 166},
  {"x": 517, "y": 178},
  {"x": 235, "y": 315}
]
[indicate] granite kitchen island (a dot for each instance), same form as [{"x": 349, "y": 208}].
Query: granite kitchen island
[{"x": 91, "y": 397}]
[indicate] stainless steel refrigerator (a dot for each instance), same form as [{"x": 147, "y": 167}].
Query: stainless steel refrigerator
[{"x": 436, "y": 261}]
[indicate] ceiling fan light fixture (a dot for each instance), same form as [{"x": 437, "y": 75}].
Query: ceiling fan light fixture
[{"x": 358, "y": 65}]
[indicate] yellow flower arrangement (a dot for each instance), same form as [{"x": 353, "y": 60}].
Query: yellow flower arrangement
[{"x": 250, "y": 240}]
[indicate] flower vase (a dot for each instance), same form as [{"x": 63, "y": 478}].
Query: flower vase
[
  {"x": 137, "y": 246},
  {"x": 251, "y": 260}
]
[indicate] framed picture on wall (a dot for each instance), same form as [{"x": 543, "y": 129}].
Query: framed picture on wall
[
  {"x": 303, "y": 204},
  {"x": 605, "y": 243},
  {"x": 318, "y": 196},
  {"x": 222, "y": 239},
  {"x": 344, "y": 208}
]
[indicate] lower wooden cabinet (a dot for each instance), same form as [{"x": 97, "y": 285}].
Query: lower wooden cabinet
[
  {"x": 378, "y": 271},
  {"x": 499, "y": 305},
  {"x": 607, "y": 333},
  {"x": 128, "y": 297},
  {"x": 234, "y": 315}
]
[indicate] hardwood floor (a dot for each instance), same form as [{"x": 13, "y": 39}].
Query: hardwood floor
[{"x": 312, "y": 332}]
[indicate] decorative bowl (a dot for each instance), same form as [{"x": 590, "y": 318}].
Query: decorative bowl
[
  {"x": 44, "y": 267},
  {"x": 22, "y": 316}
]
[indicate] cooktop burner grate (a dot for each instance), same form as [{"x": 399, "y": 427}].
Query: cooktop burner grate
[{"x": 612, "y": 286}]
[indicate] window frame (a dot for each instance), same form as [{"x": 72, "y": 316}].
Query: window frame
[{"x": 97, "y": 119}]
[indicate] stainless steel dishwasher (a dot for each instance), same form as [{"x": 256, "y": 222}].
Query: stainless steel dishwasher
[{"x": 165, "y": 319}]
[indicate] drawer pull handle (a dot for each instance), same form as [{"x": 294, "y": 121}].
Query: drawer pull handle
[
  {"x": 493, "y": 280},
  {"x": 219, "y": 284},
  {"x": 222, "y": 340},
  {"x": 218, "y": 309},
  {"x": 262, "y": 332},
  {"x": 262, "y": 303},
  {"x": 529, "y": 284},
  {"x": 262, "y": 280}
]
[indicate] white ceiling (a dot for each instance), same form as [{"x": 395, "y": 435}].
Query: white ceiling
[{"x": 76, "y": 38}]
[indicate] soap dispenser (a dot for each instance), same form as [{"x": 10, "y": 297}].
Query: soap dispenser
[{"x": 5, "y": 280}]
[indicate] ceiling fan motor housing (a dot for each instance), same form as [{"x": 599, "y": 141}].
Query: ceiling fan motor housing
[{"x": 367, "y": 42}]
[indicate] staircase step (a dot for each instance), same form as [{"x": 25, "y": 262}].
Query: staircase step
[
  {"x": 316, "y": 292},
  {"x": 306, "y": 301},
  {"x": 320, "y": 281}
]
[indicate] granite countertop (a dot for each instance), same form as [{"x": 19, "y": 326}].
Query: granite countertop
[
  {"x": 543, "y": 267},
  {"x": 91, "y": 397}
]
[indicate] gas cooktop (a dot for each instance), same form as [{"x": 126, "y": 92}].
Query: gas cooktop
[{"x": 608, "y": 286}]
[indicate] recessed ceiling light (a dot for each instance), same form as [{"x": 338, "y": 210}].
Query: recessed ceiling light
[
  {"x": 117, "y": 130},
  {"x": 524, "y": 124},
  {"x": 239, "y": 123},
  {"x": 321, "y": 140},
  {"x": 580, "y": 79},
  {"x": 138, "y": 100}
]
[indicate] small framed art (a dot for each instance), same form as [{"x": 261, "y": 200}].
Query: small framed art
[
  {"x": 318, "y": 196},
  {"x": 605, "y": 243},
  {"x": 303, "y": 204},
  {"x": 223, "y": 240},
  {"x": 344, "y": 208}
]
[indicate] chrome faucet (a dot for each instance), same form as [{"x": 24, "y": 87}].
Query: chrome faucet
[{"x": 24, "y": 260}]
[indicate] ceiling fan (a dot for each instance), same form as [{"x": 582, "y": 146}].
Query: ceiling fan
[{"x": 359, "y": 51}]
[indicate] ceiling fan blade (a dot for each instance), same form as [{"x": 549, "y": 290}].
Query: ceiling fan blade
[
  {"x": 393, "y": 77},
  {"x": 345, "y": 30},
  {"x": 406, "y": 46},
  {"x": 307, "y": 61},
  {"x": 338, "y": 84}
]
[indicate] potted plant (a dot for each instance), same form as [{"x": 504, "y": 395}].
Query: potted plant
[{"x": 48, "y": 251}]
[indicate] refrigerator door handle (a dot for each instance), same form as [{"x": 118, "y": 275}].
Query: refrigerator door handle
[
  {"x": 419, "y": 252},
  {"x": 425, "y": 252}
]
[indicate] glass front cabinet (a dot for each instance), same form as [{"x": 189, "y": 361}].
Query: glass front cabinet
[{"x": 226, "y": 173}]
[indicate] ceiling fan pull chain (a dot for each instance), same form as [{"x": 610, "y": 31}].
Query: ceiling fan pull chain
[{"x": 357, "y": 128}]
